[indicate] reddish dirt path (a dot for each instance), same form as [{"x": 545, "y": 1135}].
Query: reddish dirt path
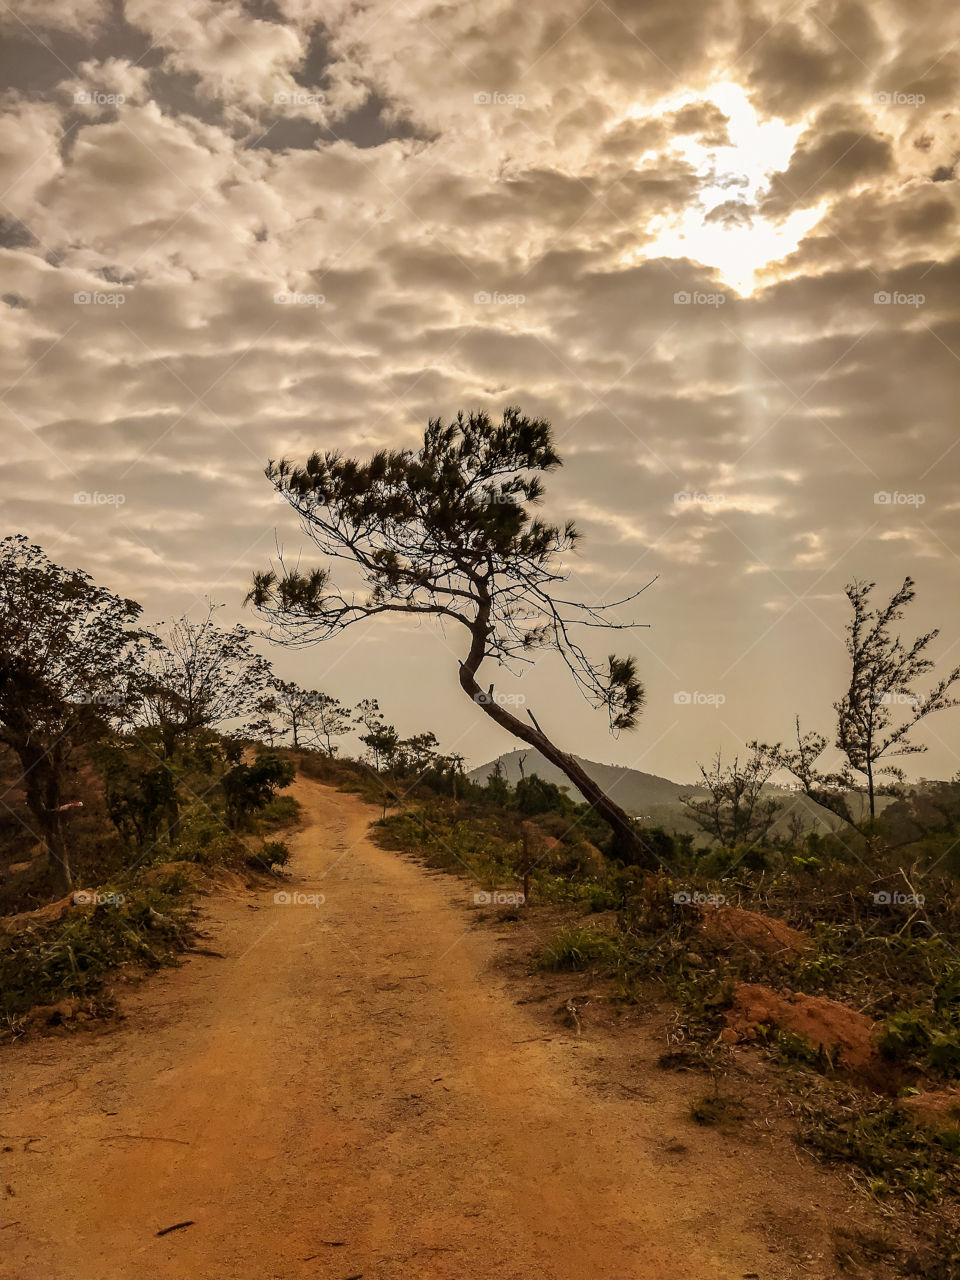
[{"x": 355, "y": 1073}]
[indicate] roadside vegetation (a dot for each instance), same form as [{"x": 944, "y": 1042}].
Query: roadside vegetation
[
  {"x": 833, "y": 958},
  {"x": 841, "y": 976}
]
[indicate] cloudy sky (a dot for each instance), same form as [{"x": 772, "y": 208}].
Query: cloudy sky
[{"x": 715, "y": 244}]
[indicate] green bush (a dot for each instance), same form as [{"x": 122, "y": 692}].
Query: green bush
[
  {"x": 203, "y": 837},
  {"x": 274, "y": 853},
  {"x": 281, "y": 811},
  {"x": 922, "y": 1036},
  {"x": 599, "y": 898}
]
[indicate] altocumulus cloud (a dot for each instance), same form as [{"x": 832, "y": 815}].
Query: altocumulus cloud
[{"x": 239, "y": 233}]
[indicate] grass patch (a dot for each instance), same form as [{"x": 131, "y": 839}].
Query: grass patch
[
  {"x": 891, "y": 1152},
  {"x": 575, "y": 948}
]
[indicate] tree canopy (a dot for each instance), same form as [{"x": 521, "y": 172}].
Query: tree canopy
[{"x": 70, "y": 662}]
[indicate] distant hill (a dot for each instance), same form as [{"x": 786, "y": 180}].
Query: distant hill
[
  {"x": 634, "y": 790},
  {"x": 646, "y": 795}
]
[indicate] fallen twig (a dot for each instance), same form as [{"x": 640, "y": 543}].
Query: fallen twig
[
  {"x": 630, "y": 1089},
  {"x": 145, "y": 1137}
]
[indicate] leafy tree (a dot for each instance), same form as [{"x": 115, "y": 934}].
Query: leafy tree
[
  {"x": 309, "y": 717},
  {"x": 139, "y": 793},
  {"x": 735, "y": 811},
  {"x": 283, "y": 709},
  {"x": 883, "y": 677},
  {"x": 878, "y": 711},
  {"x": 445, "y": 774},
  {"x": 449, "y": 530},
  {"x": 670, "y": 847},
  {"x": 249, "y": 787},
  {"x": 70, "y": 661},
  {"x": 294, "y": 705},
  {"x": 497, "y": 788},
  {"x": 201, "y": 677},
  {"x": 381, "y": 739},
  {"x": 265, "y": 723},
  {"x": 328, "y": 718},
  {"x": 418, "y": 753},
  {"x": 534, "y": 795}
]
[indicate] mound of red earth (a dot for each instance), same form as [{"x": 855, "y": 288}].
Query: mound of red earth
[
  {"x": 733, "y": 925},
  {"x": 938, "y": 1110},
  {"x": 76, "y": 901},
  {"x": 848, "y": 1038}
]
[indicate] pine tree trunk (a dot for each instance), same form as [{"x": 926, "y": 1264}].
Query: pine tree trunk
[{"x": 628, "y": 847}]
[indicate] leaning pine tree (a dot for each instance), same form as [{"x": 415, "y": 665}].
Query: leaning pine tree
[{"x": 449, "y": 530}]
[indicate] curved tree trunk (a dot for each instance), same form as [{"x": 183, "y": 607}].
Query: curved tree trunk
[{"x": 628, "y": 846}]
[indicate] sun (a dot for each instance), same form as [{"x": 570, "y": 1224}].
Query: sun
[{"x": 723, "y": 229}]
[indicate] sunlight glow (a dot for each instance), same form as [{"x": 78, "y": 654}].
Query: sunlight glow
[{"x": 736, "y": 249}]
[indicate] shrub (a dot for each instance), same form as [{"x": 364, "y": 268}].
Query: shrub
[
  {"x": 599, "y": 898},
  {"x": 281, "y": 811},
  {"x": 921, "y": 1035},
  {"x": 274, "y": 853},
  {"x": 202, "y": 837}
]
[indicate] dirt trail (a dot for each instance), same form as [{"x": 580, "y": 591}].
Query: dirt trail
[{"x": 355, "y": 1073}]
